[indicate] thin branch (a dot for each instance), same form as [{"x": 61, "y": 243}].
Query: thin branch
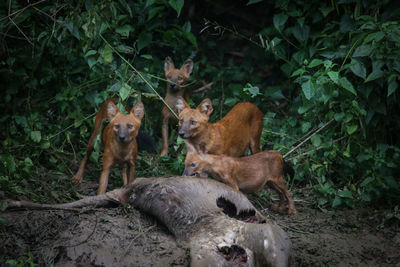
[
  {"x": 21, "y": 10},
  {"x": 315, "y": 149},
  {"x": 26, "y": 37},
  {"x": 308, "y": 138},
  {"x": 15, "y": 37},
  {"x": 141, "y": 76},
  {"x": 205, "y": 87}
]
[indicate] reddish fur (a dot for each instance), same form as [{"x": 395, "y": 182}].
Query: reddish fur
[
  {"x": 249, "y": 174},
  {"x": 176, "y": 78},
  {"x": 239, "y": 130},
  {"x": 115, "y": 150}
]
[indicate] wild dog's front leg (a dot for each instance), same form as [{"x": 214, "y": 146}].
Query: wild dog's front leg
[
  {"x": 124, "y": 176},
  {"x": 132, "y": 170},
  {"x": 231, "y": 181},
  {"x": 164, "y": 132},
  {"x": 108, "y": 163}
]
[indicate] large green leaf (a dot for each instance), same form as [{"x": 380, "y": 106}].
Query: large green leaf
[
  {"x": 251, "y": 2},
  {"x": 124, "y": 30},
  {"x": 334, "y": 75},
  {"x": 345, "y": 194},
  {"x": 107, "y": 54},
  {"x": 315, "y": 62},
  {"x": 346, "y": 84},
  {"x": 279, "y": 21},
  {"x": 308, "y": 89},
  {"x": 144, "y": 40},
  {"x": 125, "y": 91},
  {"x": 358, "y": 68},
  {"x": 154, "y": 11},
  {"x": 177, "y": 5},
  {"x": 351, "y": 129},
  {"x": 36, "y": 136},
  {"x": 301, "y": 33},
  {"x": 362, "y": 51},
  {"x": 393, "y": 85}
]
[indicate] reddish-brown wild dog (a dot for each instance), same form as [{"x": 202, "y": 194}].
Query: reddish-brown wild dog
[
  {"x": 119, "y": 140},
  {"x": 176, "y": 78},
  {"x": 249, "y": 174},
  {"x": 239, "y": 130}
]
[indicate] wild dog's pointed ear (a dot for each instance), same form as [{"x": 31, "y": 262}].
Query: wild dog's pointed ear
[
  {"x": 202, "y": 149},
  {"x": 181, "y": 104},
  {"x": 138, "y": 110},
  {"x": 205, "y": 107},
  {"x": 168, "y": 65},
  {"x": 190, "y": 148},
  {"x": 112, "y": 110},
  {"x": 187, "y": 67}
]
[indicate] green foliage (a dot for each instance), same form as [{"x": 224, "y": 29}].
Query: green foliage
[
  {"x": 347, "y": 71},
  {"x": 55, "y": 86},
  {"x": 22, "y": 261},
  {"x": 306, "y": 65}
]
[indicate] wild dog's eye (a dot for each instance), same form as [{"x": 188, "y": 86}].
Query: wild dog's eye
[
  {"x": 130, "y": 126},
  {"x": 193, "y": 122},
  {"x": 180, "y": 78},
  {"x": 180, "y": 121},
  {"x": 193, "y": 164},
  {"x": 116, "y": 126}
]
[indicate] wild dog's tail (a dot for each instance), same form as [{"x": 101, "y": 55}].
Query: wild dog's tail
[{"x": 288, "y": 169}]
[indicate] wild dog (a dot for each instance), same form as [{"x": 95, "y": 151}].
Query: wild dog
[
  {"x": 176, "y": 78},
  {"x": 119, "y": 140},
  {"x": 249, "y": 174},
  {"x": 239, "y": 130}
]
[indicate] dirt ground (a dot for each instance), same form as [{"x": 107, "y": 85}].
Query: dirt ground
[{"x": 126, "y": 237}]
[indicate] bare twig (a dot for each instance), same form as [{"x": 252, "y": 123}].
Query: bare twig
[
  {"x": 141, "y": 76},
  {"x": 14, "y": 37},
  {"x": 88, "y": 237},
  {"x": 21, "y": 10},
  {"x": 308, "y": 138},
  {"x": 9, "y": 11},
  {"x": 205, "y": 87},
  {"x": 316, "y": 149}
]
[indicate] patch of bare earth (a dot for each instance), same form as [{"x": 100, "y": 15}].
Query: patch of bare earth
[
  {"x": 121, "y": 237},
  {"x": 104, "y": 237},
  {"x": 339, "y": 238}
]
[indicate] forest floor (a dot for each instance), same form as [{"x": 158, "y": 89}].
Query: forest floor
[{"x": 126, "y": 237}]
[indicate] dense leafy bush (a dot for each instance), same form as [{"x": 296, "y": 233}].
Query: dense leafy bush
[{"x": 305, "y": 64}]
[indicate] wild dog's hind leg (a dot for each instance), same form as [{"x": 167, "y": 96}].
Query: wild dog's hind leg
[
  {"x": 280, "y": 186},
  {"x": 281, "y": 206},
  {"x": 255, "y": 135},
  {"x": 101, "y": 114}
]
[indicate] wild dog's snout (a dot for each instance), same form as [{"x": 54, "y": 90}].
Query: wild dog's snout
[
  {"x": 122, "y": 137},
  {"x": 182, "y": 133}
]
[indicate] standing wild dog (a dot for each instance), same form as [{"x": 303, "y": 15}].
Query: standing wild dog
[
  {"x": 175, "y": 79},
  {"x": 119, "y": 140},
  {"x": 239, "y": 130},
  {"x": 249, "y": 174}
]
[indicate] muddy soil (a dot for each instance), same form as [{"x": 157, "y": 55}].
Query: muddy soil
[
  {"x": 126, "y": 237},
  {"x": 339, "y": 238}
]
